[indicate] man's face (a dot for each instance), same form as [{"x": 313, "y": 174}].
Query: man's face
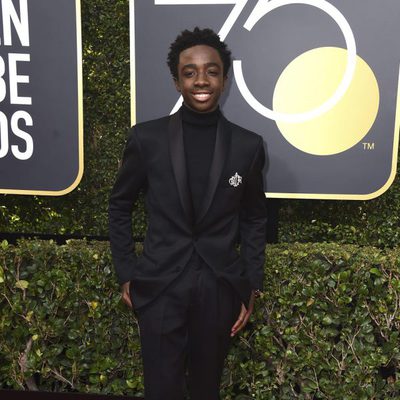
[{"x": 200, "y": 78}]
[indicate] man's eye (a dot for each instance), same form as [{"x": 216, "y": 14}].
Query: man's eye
[
  {"x": 213, "y": 72},
  {"x": 188, "y": 74}
]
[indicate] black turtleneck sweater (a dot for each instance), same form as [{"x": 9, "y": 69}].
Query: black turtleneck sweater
[{"x": 199, "y": 132}]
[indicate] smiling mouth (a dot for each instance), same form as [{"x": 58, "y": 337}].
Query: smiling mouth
[{"x": 202, "y": 96}]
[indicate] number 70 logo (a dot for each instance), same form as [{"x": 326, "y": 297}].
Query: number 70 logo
[{"x": 317, "y": 79}]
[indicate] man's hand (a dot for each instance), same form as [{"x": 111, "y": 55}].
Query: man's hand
[
  {"x": 243, "y": 316},
  {"x": 126, "y": 298}
]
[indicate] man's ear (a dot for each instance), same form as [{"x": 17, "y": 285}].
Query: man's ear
[{"x": 178, "y": 88}]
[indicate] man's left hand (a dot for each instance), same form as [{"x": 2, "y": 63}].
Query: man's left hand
[{"x": 243, "y": 316}]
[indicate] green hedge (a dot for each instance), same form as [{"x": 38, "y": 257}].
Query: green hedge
[
  {"x": 63, "y": 302},
  {"x": 374, "y": 222},
  {"x": 327, "y": 326}
]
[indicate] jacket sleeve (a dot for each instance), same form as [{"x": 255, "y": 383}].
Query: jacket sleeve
[
  {"x": 253, "y": 220},
  {"x": 131, "y": 178}
]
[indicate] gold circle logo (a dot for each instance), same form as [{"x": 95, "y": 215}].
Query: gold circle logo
[{"x": 307, "y": 82}]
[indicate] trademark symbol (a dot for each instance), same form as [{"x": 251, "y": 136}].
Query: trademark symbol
[{"x": 369, "y": 146}]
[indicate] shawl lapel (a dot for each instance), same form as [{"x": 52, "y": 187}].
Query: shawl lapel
[
  {"x": 222, "y": 142},
  {"x": 178, "y": 160}
]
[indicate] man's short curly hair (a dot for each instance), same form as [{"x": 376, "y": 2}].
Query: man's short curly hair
[{"x": 187, "y": 39}]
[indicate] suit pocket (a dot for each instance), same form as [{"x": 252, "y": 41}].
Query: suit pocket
[
  {"x": 236, "y": 267},
  {"x": 144, "y": 266}
]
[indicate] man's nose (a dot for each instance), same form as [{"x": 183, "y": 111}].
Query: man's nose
[{"x": 202, "y": 79}]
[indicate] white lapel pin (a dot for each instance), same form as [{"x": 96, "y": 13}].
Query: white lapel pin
[{"x": 235, "y": 180}]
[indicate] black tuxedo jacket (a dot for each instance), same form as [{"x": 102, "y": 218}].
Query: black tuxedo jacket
[{"x": 154, "y": 160}]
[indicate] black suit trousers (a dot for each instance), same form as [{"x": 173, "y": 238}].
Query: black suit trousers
[{"x": 185, "y": 335}]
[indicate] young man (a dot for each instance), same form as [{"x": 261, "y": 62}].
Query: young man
[{"x": 192, "y": 288}]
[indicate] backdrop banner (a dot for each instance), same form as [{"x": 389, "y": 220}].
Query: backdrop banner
[
  {"x": 41, "y": 134},
  {"x": 319, "y": 80}
]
